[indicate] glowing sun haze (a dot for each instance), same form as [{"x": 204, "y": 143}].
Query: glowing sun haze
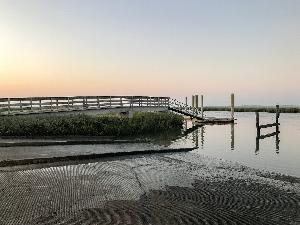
[{"x": 139, "y": 47}]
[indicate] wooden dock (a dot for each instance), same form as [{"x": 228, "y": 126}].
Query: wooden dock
[
  {"x": 105, "y": 104},
  {"x": 215, "y": 120}
]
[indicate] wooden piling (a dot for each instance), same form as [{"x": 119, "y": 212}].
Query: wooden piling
[
  {"x": 196, "y": 101},
  {"x": 277, "y": 118},
  {"x": 193, "y": 101},
  {"x": 257, "y": 124},
  {"x": 202, "y": 110},
  {"x": 232, "y": 106}
]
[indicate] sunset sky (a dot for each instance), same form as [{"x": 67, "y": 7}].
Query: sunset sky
[{"x": 152, "y": 47}]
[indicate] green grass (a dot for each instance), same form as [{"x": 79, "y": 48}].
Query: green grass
[
  {"x": 81, "y": 124},
  {"x": 254, "y": 109}
]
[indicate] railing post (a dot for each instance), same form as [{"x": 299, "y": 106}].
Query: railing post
[
  {"x": 57, "y": 103},
  {"x": 86, "y": 103},
  {"x": 158, "y": 102},
  {"x": 21, "y": 106},
  {"x": 68, "y": 103},
  {"x": 98, "y": 102},
  {"x": 51, "y": 103},
  {"x": 8, "y": 105},
  {"x": 109, "y": 101},
  {"x": 30, "y": 103},
  {"x": 121, "y": 102},
  {"x": 232, "y": 106},
  {"x": 40, "y": 104}
]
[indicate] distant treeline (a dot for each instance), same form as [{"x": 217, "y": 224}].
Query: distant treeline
[
  {"x": 81, "y": 124},
  {"x": 284, "y": 109}
]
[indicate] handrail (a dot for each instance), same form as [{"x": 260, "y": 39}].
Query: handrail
[
  {"x": 12, "y": 106},
  {"x": 186, "y": 109},
  {"x": 69, "y": 103}
]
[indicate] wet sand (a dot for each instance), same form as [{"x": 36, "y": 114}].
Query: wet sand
[{"x": 176, "y": 188}]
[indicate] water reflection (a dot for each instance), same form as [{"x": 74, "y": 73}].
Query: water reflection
[
  {"x": 232, "y": 136},
  {"x": 199, "y": 132},
  {"x": 194, "y": 132},
  {"x": 202, "y": 132}
]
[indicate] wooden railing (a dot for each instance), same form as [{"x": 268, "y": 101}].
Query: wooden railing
[
  {"x": 185, "y": 109},
  {"x": 276, "y": 125},
  {"x": 276, "y": 133},
  {"x": 45, "y": 104}
]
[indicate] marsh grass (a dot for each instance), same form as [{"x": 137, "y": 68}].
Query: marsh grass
[{"x": 87, "y": 125}]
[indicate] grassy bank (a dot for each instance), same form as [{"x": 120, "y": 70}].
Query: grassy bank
[
  {"x": 253, "y": 109},
  {"x": 66, "y": 125}
]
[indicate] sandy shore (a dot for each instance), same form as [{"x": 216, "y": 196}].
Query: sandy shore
[{"x": 179, "y": 188}]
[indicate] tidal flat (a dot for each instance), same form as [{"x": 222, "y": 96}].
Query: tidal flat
[{"x": 180, "y": 188}]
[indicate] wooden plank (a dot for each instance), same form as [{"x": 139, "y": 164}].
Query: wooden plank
[
  {"x": 269, "y": 125},
  {"x": 269, "y": 135}
]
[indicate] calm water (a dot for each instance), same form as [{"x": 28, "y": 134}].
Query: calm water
[{"x": 237, "y": 142}]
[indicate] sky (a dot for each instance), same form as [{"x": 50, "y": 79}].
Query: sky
[{"x": 173, "y": 48}]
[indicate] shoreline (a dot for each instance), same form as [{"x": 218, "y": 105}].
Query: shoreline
[
  {"x": 22, "y": 142},
  {"x": 31, "y": 161}
]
